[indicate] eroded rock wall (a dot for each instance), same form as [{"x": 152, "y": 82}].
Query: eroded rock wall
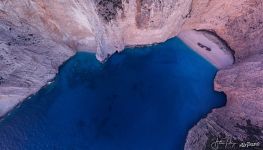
[
  {"x": 138, "y": 22},
  {"x": 241, "y": 120},
  {"x": 102, "y": 26},
  {"x": 239, "y": 23},
  {"x": 27, "y": 61}
]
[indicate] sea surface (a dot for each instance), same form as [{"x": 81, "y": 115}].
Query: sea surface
[{"x": 140, "y": 99}]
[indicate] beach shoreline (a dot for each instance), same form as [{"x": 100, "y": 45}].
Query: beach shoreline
[{"x": 209, "y": 47}]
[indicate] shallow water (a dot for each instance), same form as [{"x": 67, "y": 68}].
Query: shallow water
[{"x": 140, "y": 99}]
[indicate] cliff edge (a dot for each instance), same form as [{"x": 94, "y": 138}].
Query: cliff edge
[{"x": 239, "y": 24}]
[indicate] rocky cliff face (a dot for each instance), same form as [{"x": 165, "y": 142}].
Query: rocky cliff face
[
  {"x": 104, "y": 26},
  {"x": 27, "y": 61},
  {"x": 239, "y": 23},
  {"x": 38, "y": 36},
  {"x": 241, "y": 120}
]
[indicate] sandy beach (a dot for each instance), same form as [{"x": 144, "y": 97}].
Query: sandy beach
[{"x": 208, "y": 47}]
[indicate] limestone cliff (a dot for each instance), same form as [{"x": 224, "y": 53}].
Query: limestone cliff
[
  {"x": 38, "y": 36},
  {"x": 241, "y": 120},
  {"x": 27, "y": 61},
  {"x": 104, "y": 26},
  {"x": 239, "y": 23}
]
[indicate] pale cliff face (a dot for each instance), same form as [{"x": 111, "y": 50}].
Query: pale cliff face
[
  {"x": 239, "y": 23},
  {"x": 64, "y": 21},
  {"x": 141, "y": 22},
  {"x": 104, "y": 26},
  {"x": 107, "y": 26}
]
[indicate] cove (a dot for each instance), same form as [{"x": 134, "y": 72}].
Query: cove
[{"x": 140, "y": 99}]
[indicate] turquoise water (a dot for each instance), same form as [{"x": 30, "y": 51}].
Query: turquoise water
[{"x": 141, "y": 99}]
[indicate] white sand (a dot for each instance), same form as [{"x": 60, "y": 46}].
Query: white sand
[{"x": 218, "y": 56}]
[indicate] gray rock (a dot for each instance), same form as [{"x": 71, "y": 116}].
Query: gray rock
[
  {"x": 27, "y": 62},
  {"x": 241, "y": 120}
]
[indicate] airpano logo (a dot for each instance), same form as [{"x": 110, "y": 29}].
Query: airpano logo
[{"x": 249, "y": 144}]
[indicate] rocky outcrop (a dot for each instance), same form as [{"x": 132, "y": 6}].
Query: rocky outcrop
[
  {"x": 241, "y": 120},
  {"x": 103, "y": 26},
  {"x": 28, "y": 61},
  {"x": 239, "y": 24},
  {"x": 137, "y": 22}
]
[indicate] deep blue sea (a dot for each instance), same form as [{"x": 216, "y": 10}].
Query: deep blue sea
[{"x": 141, "y": 99}]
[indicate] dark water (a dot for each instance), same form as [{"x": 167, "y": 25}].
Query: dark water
[{"x": 141, "y": 99}]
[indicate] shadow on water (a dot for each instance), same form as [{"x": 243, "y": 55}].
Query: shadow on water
[{"x": 141, "y": 99}]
